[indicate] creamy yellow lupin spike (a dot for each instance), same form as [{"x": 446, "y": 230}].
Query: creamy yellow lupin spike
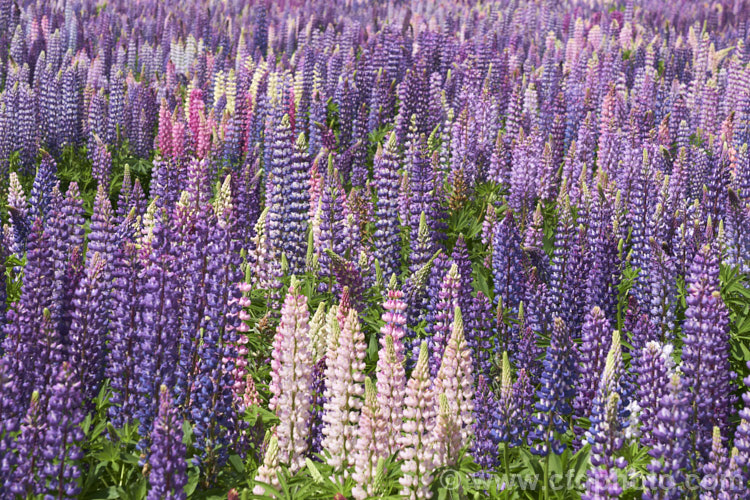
[
  {"x": 147, "y": 224},
  {"x": 223, "y": 201},
  {"x": 218, "y": 87},
  {"x": 260, "y": 70},
  {"x": 273, "y": 82},
  {"x": 298, "y": 82},
  {"x": 230, "y": 90}
]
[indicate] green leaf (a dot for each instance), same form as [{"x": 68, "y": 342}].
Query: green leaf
[
  {"x": 108, "y": 453},
  {"x": 580, "y": 463},
  {"x": 192, "y": 484},
  {"x": 236, "y": 462}
]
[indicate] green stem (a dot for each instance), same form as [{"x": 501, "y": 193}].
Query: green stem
[
  {"x": 546, "y": 476},
  {"x": 507, "y": 469}
]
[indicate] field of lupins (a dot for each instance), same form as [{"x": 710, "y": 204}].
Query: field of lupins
[{"x": 375, "y": 249}]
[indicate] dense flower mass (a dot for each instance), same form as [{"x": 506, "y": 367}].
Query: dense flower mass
[{"x": 374, "y": 249}]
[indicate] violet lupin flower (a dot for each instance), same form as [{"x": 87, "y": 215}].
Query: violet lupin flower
[
  {"x": 742, "y": 435},
  {"x": 641, "y": 329},
  {"x": 671, "y": 450},
  {"x": 89, "y": 327},
  {"x": 415, "y": 286},
  {"x": 565, "y": 269},
  {"x": 404, "y": 199},
  {"x": 24, "y": 344},
  {"x": 26, "y": 126},
  {"x": 523, "y": 400},
  {"x": 192, "y": 221},
  {"x": 168, "y": 474},
  {"x": 507, "y": 259},
  {"x": 423, "y": 193},
  {"x": 603, "y": 482},
  {"x": 731, "y": 480},
  {"x": 246, "y": 195},
  {"x": 663, "y": 283},
  {"x": 484, "y": 446},
  {"x": 71, "y": 108},
  {"x": 592, "y": 357},
  {"x": 610, "y": 382},
  {"x": 116, "y": 111},
  {"x": 24, "y": 480},
  {"x": 121, "y": 366},
  {"x": 291, "y": 379},
  {"x": 422, "y": 246},
  {"x": 349, "y": 276},
  {"x": 479, "y": 333},
  {"x": 526, "y": 354},
  {"x": 41, "y": 190},
  {"x": 506, "y": 407},
  {"x": 555, "y": 393},
  {"x": 156, "y": 347},
  {"x": 653, "y": 372},
  {"x": 295, "y": 206},
  {"x": 416, "y": 441},
  {"x": 279, "y": 151},
  {"x": 102, "y": 237},
  {"x": 212, "y": 410},
  {"x": 387, "y": 237},
  {"x": 499, "y": 168},
  {"x": 63, "y": 437},
  {"x": 317, "y": 405},
  {"x": 67, "y": 233},
  {"x": 641, "y": 201},
  {"x": 522, "y": 172},
  {"x": 713, "y": 484},
  {"x": 102, "y": 164},
  {"x": 460, "y": 257},
  {"x": 601, "y": 283},
  {"x": 705, "y": 355},
  {"x": 333, "y": 209}
]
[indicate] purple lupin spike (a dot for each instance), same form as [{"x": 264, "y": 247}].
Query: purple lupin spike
[
  {"x": 705, "y": 355},
  {"x": 555, "y": 393},
  {"x": 507, "y": 261},
  {"x": 671, "y": 450},
  {"x": 64, "y": 436},
  {"x": 592, "y": 356},
  {"x": 387, "y": 237},
  {"x": 168, "y": 475}
]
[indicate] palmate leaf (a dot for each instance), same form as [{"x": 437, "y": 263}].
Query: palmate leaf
[
  {"x": 735, "y": 292},
  {"x": 314, "y": 481}
]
